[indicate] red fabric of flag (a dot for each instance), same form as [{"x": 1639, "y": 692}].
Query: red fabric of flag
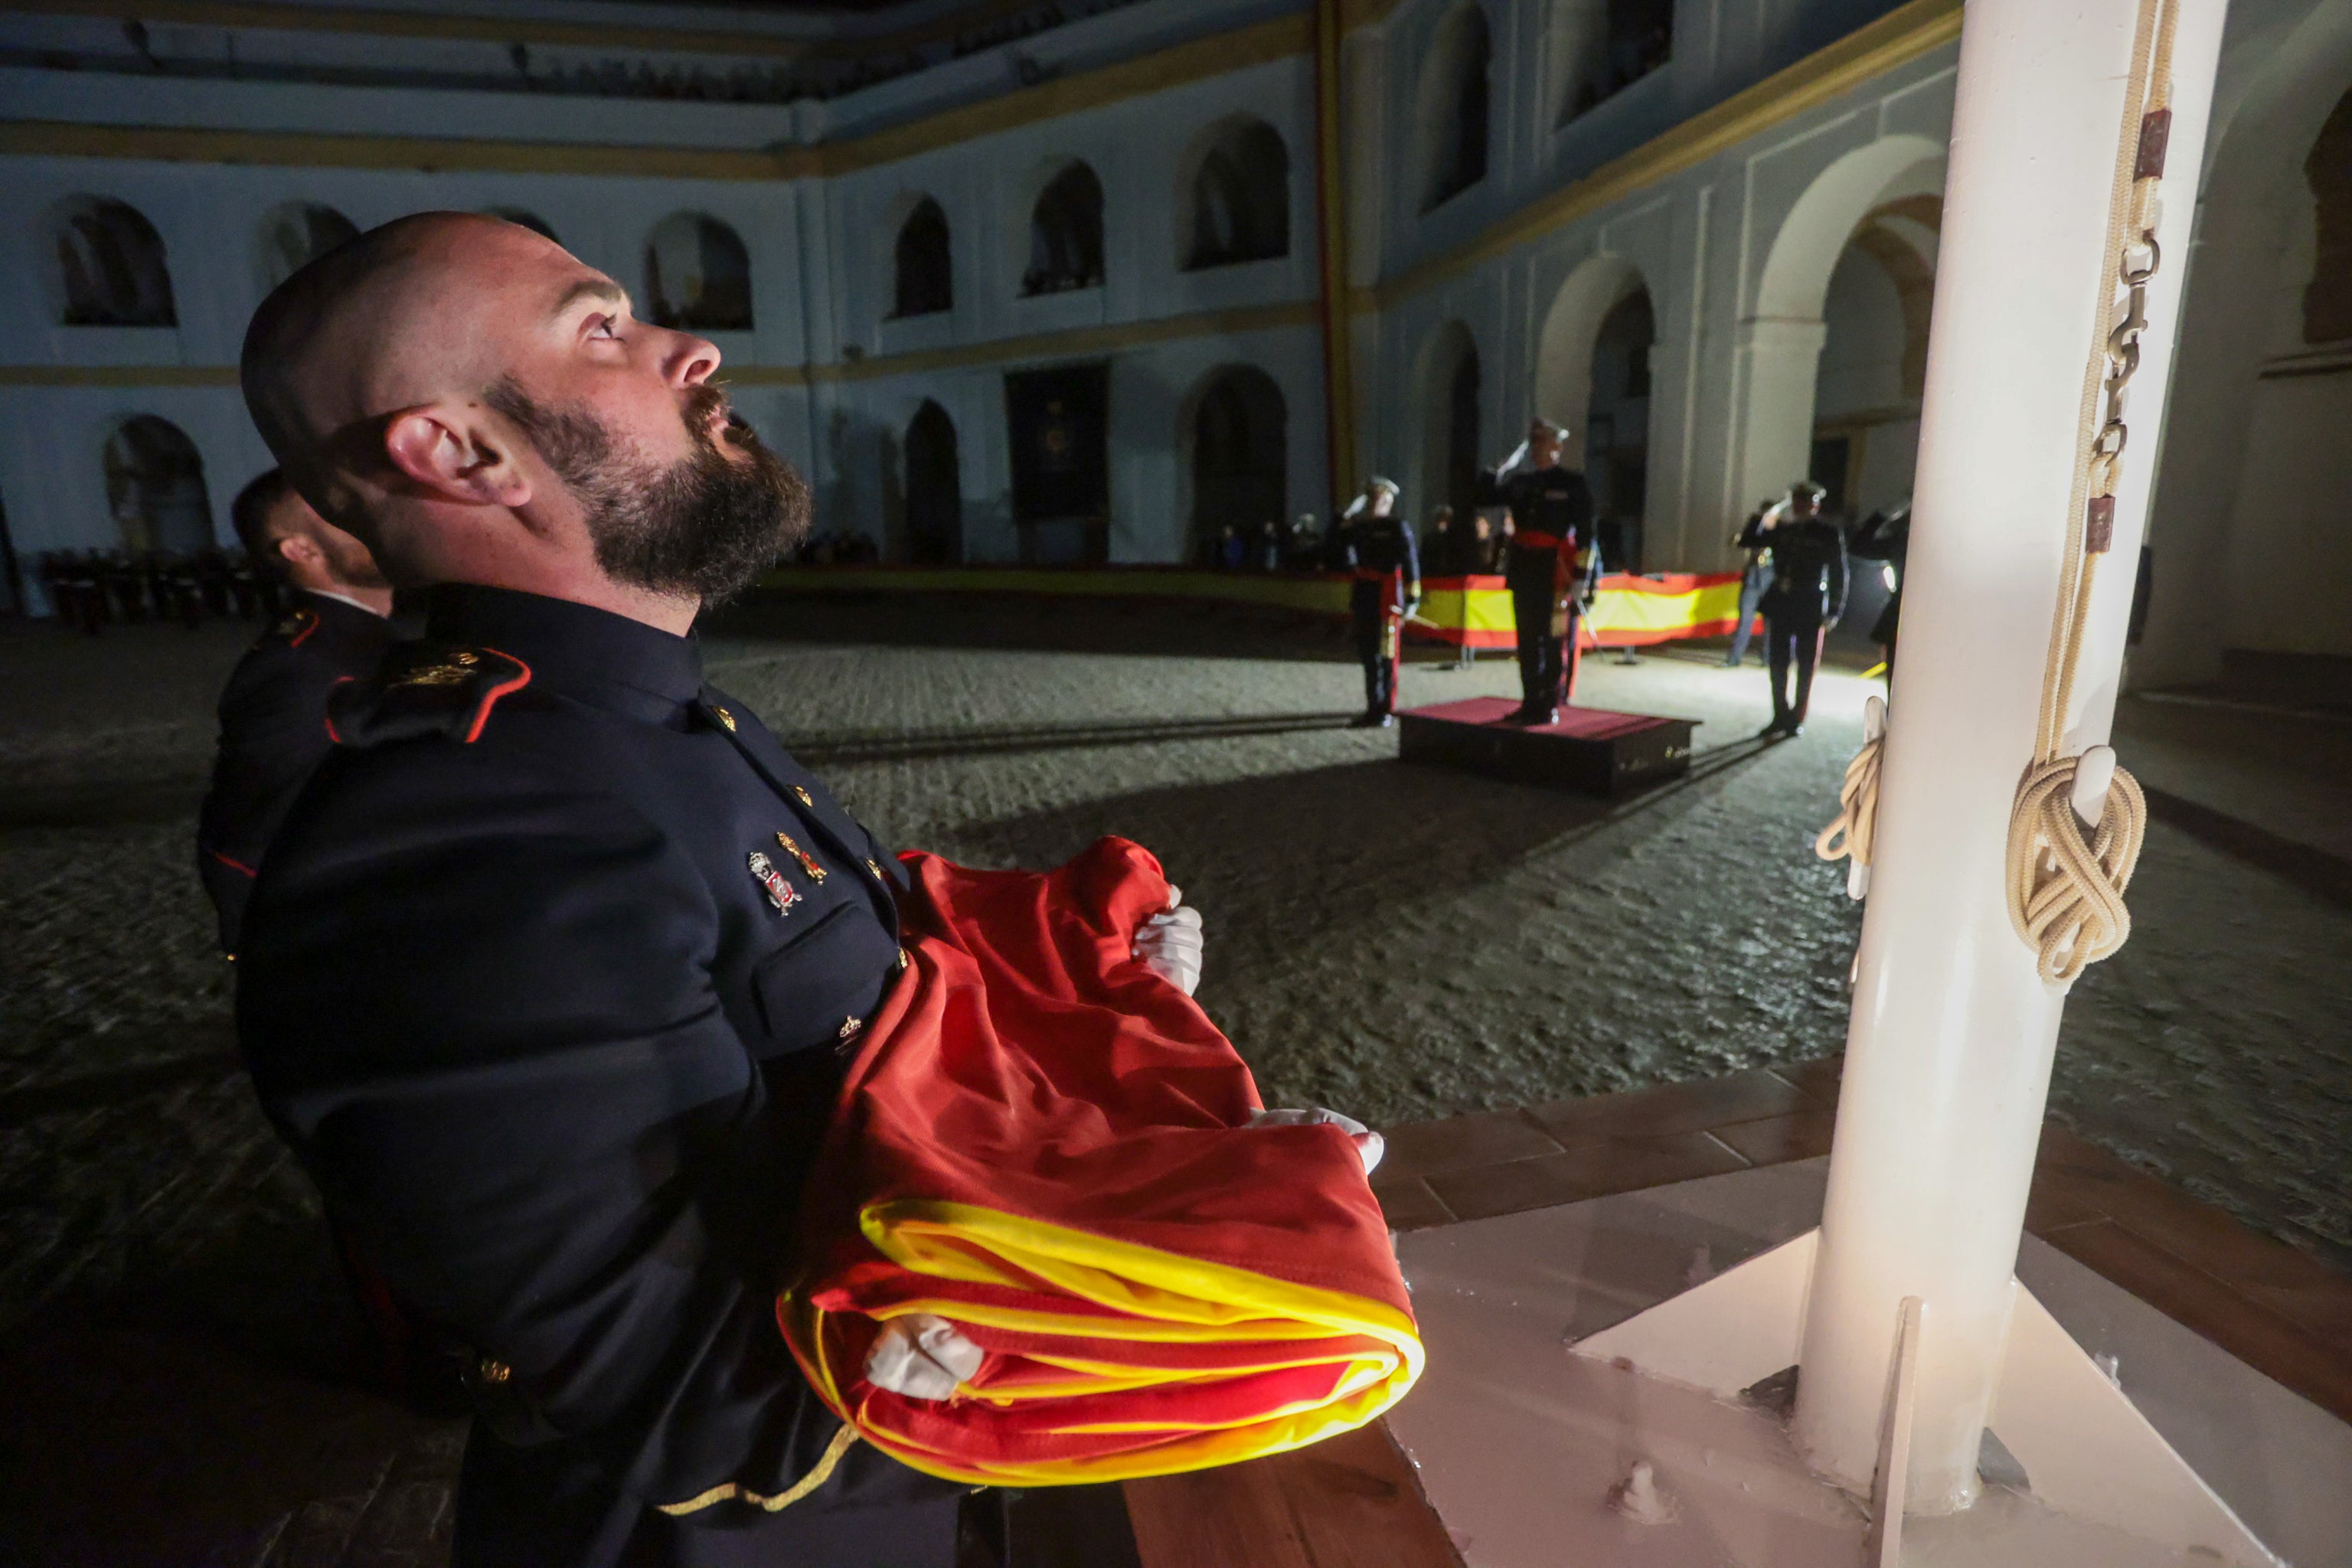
[{"x": 1046, "y": 1144}]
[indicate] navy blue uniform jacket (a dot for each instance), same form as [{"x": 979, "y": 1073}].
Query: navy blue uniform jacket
[
  {"x": 1550, "y": 503},
  {"x": 273, "y": 733},
  {"x": 517, "y": 987}
]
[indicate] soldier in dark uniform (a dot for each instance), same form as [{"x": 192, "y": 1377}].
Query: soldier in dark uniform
[
  {"x": 1376, "y": 547},
  {"x": 1805, "y": 600},
  {"x": 551, "y": 975},
  {"x": 1885, "y": 536},
  {"x": 1551, "y": 517},
  {"x": 273, "y": 712}
]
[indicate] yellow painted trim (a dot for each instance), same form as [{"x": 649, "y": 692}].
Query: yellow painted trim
[
  {"x": 1077, "y": 342},
  {"x": 507, "y": 30},
  {"x": 424, "y": 25},
  {"x": 1192, "y": 60},
  {"x": 432, "y": 155},
  {"x": 118, "y": 375},
  {"x": 1902, "y": 34}
]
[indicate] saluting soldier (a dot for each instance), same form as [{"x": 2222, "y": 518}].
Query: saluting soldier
[
  {"x": 1552, "y": 517},
  {"x": 1378, "y": 551},
  {"x": 1805, "y": 600},
  {"x": 273, "y": 712},
  {"x": 550, "y": 976}
]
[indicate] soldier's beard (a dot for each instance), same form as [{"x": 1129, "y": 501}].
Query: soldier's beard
[{"x": 707, "y": 525}]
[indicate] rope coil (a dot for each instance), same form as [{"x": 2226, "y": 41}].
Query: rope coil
[
  {"x": 1852, "y": 835},
  {"x": 2066, "y": 891}
]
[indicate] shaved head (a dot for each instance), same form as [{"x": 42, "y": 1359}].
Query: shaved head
[{"x": 476, "y": 405}]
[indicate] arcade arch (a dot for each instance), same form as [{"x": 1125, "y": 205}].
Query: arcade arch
[
  {"x": 1592, "y": 377},
  {"x": 112, "y": 270},
  {"x": 1450, "y": 105},
  {"x": 295, "y": 234},
  {"x": 698, "y": 275},
  {"x": 1782, "y": 337},
  {"x": 934, "y": 488},
  {"x": 1237, "y": 426},
  {"x": 1066, "y": 233},
  {"x": 2246, "y": 546},
  {"x": 1234, "y": 202},
  {"x": 923, "y": 265},
  {"x": 155, "y": 487}
]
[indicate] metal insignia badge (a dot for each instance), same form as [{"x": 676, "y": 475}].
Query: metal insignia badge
[
  {"x": 808, "y": 862},
  {"x": 781, "y": 893}
]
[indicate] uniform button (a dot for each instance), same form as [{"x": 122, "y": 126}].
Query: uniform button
[
  {"x": 849, "y": 1028},
  {"x": 724, "y": 716},
  {"x": 875, "y": 869},
  {"x": 805, "y": 799},
  {"x": 494, "y": 1369},
  {"x": 902, "y": 958}
]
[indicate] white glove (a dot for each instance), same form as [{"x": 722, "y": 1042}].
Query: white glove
[
  {"x": 921, "y": 1356},
  {"x": 1169, "y": 944},
  {"x": 1370, "y": 1145},
  {"x": 1518, "y": 454}
]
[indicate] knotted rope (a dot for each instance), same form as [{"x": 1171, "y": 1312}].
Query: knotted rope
[
  {"x": 2066, "y": 893},
  {"x": 1851, "y": 835}
]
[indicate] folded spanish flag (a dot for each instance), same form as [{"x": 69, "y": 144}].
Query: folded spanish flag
[{"x": 1044, "y": 1142}]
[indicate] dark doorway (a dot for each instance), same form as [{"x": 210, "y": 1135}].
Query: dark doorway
[
  {"x": 155, "y": 485},
  {"x": 934, "y": 490},
  {"x": 1240, "y": 457},
  {"x": 1059, "y": 421},
  {"x": 926, "y": 273},
  {"x": 1616, "y": 445},
  {"x": 1833, "y": 454}
]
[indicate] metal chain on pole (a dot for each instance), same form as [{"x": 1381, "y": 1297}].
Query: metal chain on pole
[{"x": 2066, "y": 890}]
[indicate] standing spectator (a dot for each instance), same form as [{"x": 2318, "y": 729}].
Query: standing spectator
[
  {"x": 1754, "y": 579},
  {"x": 1807, "y": 596},
  {"x": 1230, "y": 548},
  {"x": 1440, "y": 553},
  {"x": 1886, "y": 536}
]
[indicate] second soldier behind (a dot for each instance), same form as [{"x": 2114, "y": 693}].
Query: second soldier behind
[{"x": 1376, "y": 549}]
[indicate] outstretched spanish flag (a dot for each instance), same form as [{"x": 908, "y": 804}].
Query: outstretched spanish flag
[{"x": 1044, "y": 1144}]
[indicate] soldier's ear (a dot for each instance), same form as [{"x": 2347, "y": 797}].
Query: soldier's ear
[{"x": 455, "y": 453}]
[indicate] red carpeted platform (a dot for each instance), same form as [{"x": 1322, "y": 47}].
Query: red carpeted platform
[{"x": 1586, "y": 749}]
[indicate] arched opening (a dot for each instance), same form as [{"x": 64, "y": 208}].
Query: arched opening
[
  {"x": 923, "y": 271},
  {"x": 1617, "y": 429},
  {"x": 934, "y": 488},
  {"x": 110, "y": 267},
  {"x": 155, "y": 487},
  {"x": 1066, "y": 234},
  {"x": 1241, "y": 461},
  {"x": 1600, "y": 47},
  {"x": 1452, "y": 106},
  {"x": 1451, "y": 429},
  {"x": 294, "y": 235},
  {"x": 1236, "y": 204},
  {"x": 697, "y": 276},
  {"x": 528, "y": 219},
  {"x": 1873, "y": 363},
  {"x": 1879, "y": 187}
]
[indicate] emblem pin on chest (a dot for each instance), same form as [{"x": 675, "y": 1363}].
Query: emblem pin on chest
[{"x": 781, "y": 893}]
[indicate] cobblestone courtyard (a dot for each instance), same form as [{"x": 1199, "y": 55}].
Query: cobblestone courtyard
[{"x": 1394, "y": 941}]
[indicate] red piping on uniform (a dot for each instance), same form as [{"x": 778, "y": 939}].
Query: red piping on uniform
[
  {"x": 238, "y": 865},
  {"x": 490, "y": 698},
  {"x": 306, "y": 631},
  {"x": 328, "y": 718}
]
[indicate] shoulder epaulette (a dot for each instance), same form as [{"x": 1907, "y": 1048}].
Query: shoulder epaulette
[
  {"x": 293, "y": 628},
  {"x": 425, "y": 689}
]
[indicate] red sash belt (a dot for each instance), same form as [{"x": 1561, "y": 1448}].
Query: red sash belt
[{"x": 1529, "y": 539}]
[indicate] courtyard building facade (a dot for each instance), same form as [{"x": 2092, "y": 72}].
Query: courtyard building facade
[{"x": 1074, "y": 284}]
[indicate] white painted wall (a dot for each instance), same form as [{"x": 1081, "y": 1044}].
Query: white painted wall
[{"x": 1762, "y": 331}]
